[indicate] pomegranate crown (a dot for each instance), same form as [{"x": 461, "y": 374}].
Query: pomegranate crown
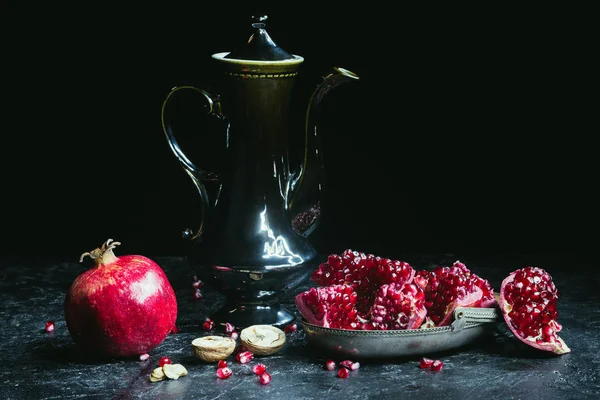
[{"x": 102, "y": 255}]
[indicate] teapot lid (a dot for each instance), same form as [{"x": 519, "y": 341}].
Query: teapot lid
[{"x": 260, "y": 46}]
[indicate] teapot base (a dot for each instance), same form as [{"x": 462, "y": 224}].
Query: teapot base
[{"x": 243, "y": 315}]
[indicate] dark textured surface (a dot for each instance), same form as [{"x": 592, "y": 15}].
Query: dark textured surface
[{"x": 49, "y": 366}]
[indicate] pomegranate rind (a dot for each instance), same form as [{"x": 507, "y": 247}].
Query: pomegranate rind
[{"x": 558, "y": 347}]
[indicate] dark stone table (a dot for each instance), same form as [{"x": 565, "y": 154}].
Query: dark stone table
[{"x": 38, "y": 365}]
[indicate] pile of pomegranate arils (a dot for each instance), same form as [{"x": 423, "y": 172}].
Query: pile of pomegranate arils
[{"x": 361, "y": 291}]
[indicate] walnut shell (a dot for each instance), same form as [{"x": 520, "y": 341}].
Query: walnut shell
[
  {"x": 213, "y": 348},
  {"x": 263, "y": 340}
]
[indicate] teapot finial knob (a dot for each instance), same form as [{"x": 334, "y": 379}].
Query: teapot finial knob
[{"x": 258, "y": 20}]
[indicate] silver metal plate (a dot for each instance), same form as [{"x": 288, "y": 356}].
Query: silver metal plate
[{"x": 469, "y": 324}]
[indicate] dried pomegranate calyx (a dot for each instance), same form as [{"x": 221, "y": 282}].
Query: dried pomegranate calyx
[{"x": 102, "y": 255}]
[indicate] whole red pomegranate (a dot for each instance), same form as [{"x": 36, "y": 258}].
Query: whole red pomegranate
[
  {"x": 124, "y": 306},
  {"x": 528, "y": 298}
]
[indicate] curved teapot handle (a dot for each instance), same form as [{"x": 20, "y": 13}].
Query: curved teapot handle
[{"x": 195, "y": 173}]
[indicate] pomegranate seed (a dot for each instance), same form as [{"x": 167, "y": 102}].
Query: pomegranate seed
[
  {"x": 49, "y": 327},
  {"x": 229, "y": 327},
  {"x": 265, "y": 378},
  {"x": 222, "y": 364},
  {"x": 343, "y": 372},
  {"x": 291, "y": 328},
  {"x": 425, "y": 363},
  {"x": 350, "y": 365},
  {"x": 163, "y": 361},
  {"x": 144, "y": 357},
  {"x": 197, "y": 294},
  {"x": 208, "y": 324},
  {"x": 234, "y": 335},
  {"x": 224, "y": 372},
  {"x": 259, "y": 369},
  {"x": 330, "y": 365},
  {"x": 437, "y": 365},
  {"x": 197, "y": 284},
  {"x": 244, "y": 357}
]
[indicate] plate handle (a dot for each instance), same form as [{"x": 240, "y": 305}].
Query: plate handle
[{"x": 463, "y": 315}]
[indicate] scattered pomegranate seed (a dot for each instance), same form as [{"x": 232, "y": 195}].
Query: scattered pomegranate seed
[
  {"x": 425, "y": 363},
  {"x": 164, "y": 360},
  {"x": 234, "y": 335},
  {"x": 343, "y": 372},
  {"x": 265, "y": 378},
  {"x": 350, "y": 365},
  {"x": 175, "y": 329},
  {"x": 224, "y": 372},
  {"x": 49, "y": 327},
  {"x": 437, "y": 365},
  {"x": 222, "y": 364},
  {"x": 144, "y": 357},
  {"x": 291, "y": 328},
  {"x": 244, "y": 357},
  {"x": 197, "y": 294},
  {"x": 197, "y": 283},
  {"x": 259, "y": 369},
  {"x": 229, "y": 327},
  {"x": 208, "y": 324},
  {"x": 330, "y": 365}
]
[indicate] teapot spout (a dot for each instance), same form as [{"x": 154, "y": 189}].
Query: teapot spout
[{"x": 307, "y": 187}]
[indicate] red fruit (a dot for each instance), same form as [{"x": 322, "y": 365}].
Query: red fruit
[
  {"x": 425, "y": 363},
  {"x": 259, "y": 369},
  {"x": 365, "y": 273},
  {"x": 528, "y": 299},
  {"x": 437, "y": 365},
  {"x": 222, "y": 364},
  {"x": 331, "y": 306},
  {"x": 229, "y": 327},
  {"x": 197, "y": 294},
  {"x": 49, "y": 326},
  {"x": 144, "y": 357},
  {"x": 123, "y": 306},
  {"x": 330, "y": 365},
  {"x": 224, "y": 372},
  {"x": 234, "y": 335},
  {"x": 265, "y": 378},
  {"x": 487, "y": 298},
  {"x": 398, "y": 307},
  {"x": 445, "y": 289},
  {"x": 175, "y": 329},
  {"x": 163, "y": 361},
  {"x": 244, "y": 357},
  {"x": 343, "y": 372},
  {"x": 291, "y": 328},
  {"x": 208, "y": 324}
]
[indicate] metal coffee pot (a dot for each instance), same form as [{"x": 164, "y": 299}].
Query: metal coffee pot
[{"x": 257, "y": 210}]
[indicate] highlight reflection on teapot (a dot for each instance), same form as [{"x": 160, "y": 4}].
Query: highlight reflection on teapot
[{"x": 257, "y": 209}]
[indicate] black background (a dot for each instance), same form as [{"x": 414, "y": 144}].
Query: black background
[{"x": 468, "y": 130}]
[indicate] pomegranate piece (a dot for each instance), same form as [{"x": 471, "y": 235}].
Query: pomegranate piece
[
  {"x": 291, "y": 328},
  {"x": 164, "y": 360},
  {"x": 222, "y": 364},
  {"x": 244, "y": 357},
  {"x": 425, "y": 363},
  {"x": 528, "y": 299},
  {"x": 330, "y": 365},
  {"x": 49, "y": 326},
  {"x": 144, "y": 357},
  {"x": 437, "y": 365},
  {"x": 343, "y": 373},
  {"x": 331, "y": 307},
  {"x": 398, "y": 307},
  {"x": 197, "y": 294},
  {"x": 265, "y": 378},
  {"x": 445, "y": 289},
  {"x": 197, "y": 284},
  {"x": 259, "y": 369},
  {"x": 224, "y": 372},
  {"x": 234, "y": 335},
  {"x": 365, "y": 273},
  {"x": 208, "y": 324}
]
